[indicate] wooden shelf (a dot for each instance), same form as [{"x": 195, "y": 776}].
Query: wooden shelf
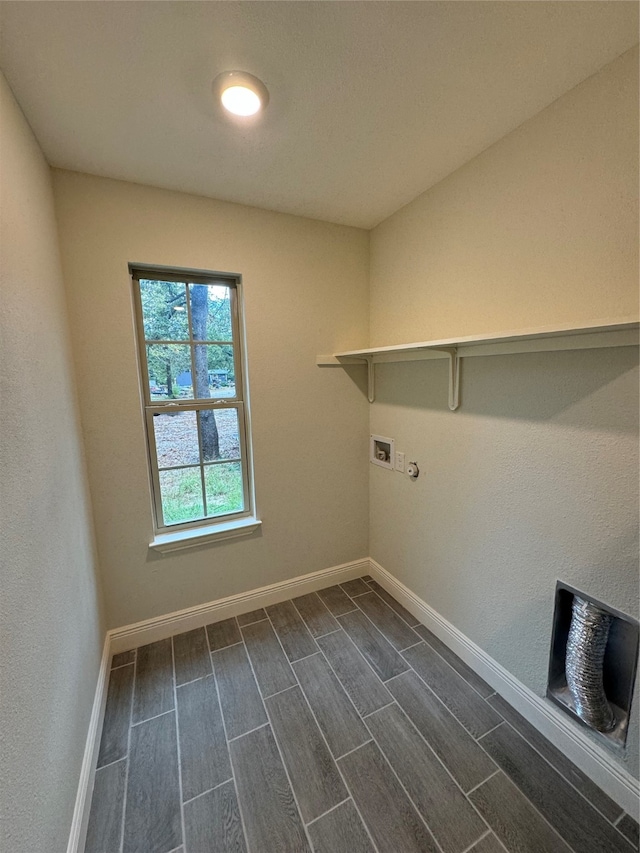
[{"x": 619, "y": 333}]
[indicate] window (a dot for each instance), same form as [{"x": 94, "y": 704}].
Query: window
[{"x": 194, "y": 397}]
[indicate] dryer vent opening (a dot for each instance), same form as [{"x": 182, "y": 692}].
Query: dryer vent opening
[{"x": 593, "y": 662}]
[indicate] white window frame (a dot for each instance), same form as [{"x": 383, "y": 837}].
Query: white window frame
[{"x": 172, "y": 537}]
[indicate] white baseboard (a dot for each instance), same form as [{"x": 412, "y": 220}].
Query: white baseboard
[
  {"x": 132, "y": 636},
  {"x": 560, "y": 729},
  {"x": 80, "y": 819}
]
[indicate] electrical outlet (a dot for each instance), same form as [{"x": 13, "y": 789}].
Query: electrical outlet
[{"x": 400, "y": 462}]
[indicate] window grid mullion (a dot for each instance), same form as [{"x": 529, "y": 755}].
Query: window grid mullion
[
  {"x": 196, "y": 464},
  {"x": 191, "y": 350},
  {"x": 193, "y": 391},
  {"x": 193, "y": 405},
  {"x": 235, "y": 330},
  {"x": 148, "y": 341},
  {"x": 204, "y": 492},
  {"x": 155, "y": 470},
  {"x": 201, "y": 463},
  {"x": 242, "y": 424},
  {"x": 142, "y": 346}
]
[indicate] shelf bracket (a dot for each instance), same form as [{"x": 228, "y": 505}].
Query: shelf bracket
[
  {"x": 454, "y": 376},
  {"x": 371, "y": 380}
]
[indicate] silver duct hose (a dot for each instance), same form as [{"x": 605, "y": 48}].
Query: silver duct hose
[{"x": 586, "y": 646}]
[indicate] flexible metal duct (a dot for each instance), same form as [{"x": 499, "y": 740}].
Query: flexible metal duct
[{"x": 586, "y": 646}]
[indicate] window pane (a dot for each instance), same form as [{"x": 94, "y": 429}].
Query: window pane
[
  {"x": 223, "y": 484},
  {"x": 181, "y": 493},
  {"x": 210, "y": 312},
  {"x": 215, "y": 374},
  {"x": 176, "y": 439},
  {"x": 169, "y": 368},
  {"x": 219, "y": 434},
  {"x": 164, "y": 310}
]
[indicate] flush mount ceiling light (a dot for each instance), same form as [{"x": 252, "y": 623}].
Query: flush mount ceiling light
[{"x": 240, "y": 93}]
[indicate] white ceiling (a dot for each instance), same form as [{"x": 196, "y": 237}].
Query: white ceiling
[{"x": 371, "y": 102}]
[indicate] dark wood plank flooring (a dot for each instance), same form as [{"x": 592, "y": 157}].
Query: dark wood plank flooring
[
  {"x": 117, "y": 719},
  {"x": 212, "y": 822},
  {"x": 340, "y": 831},
  {"x": 312, "y": 770},
  {"x": 242, "y": 706},
  {"x": 318, "y": 618},
  {"x": 332, "y": 723},
  {"x": 191, "y": 656},
  {"x": 336, "y": 600},
  {"x": 338, "y": 719},
  {"x": 204, "y": 756}
]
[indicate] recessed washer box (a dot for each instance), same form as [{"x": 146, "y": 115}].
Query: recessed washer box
[{"x": 382, "y": 452}]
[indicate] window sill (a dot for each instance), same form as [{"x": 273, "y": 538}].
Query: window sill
[{"x": 182, "y": 539}]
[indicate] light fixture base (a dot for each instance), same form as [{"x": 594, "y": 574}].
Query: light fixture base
[{"x": 240, "y": 93}]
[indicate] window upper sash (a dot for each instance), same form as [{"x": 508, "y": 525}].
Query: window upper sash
[{"x": 187, "y": 277}]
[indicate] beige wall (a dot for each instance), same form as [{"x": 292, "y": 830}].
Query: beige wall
[
  {"x": 305, "y": 290},
  {"x": 535, "y": 478},
  {"x": 51, "y": 630},
  {"x": 540, "y": 229}
]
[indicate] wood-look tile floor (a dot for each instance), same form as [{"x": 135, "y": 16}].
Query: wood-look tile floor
[{"x": 333, "y": 723}]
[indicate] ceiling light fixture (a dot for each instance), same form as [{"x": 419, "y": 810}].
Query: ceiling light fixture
[{"x": 240, "y": 92}]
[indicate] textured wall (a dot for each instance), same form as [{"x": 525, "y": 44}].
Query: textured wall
[
  {"x": 51, "y": 631},
  {"x": 305, "y": 291},
  {"x": 535, "y": 477},
  {"x": 533, "y": 480},
  {"x": 541, "y": 229}
]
